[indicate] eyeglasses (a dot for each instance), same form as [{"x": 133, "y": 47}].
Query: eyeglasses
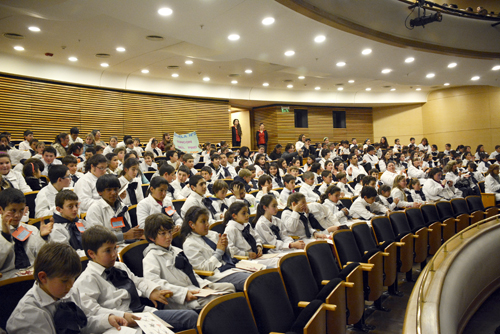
[{"x": 101, "y": 168}]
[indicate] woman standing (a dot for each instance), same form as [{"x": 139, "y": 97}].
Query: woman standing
[
  {"x": 262, "y": 137},
  {"x": 165, "y": 141},
  {"x": 236, "y": 130}
]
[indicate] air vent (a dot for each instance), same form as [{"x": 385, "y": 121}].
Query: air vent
[
  {"x": 13, "y": 36},
  {"x": 154, "y": 38},
  {"x": 173, "y": 67},
  {"x": 339, "y": 84},
  {"x": 287, "y": 81},
  {"x": 234, "y": 75},
  {"x": 387, "y": 86},
  {"x": 434, "y": 87},
  {"x": 102, "y": 55}
]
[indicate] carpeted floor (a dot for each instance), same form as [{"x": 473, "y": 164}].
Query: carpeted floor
[{"x": 487, "y": 318}]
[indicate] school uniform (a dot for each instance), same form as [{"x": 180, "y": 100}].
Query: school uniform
[
  {"x": 309, "y": 193},
  {"x": 322, "y": 215},
  {"x": 404, "y": 196},
  {"x": 423, "y": 148},
  {"x": 24, "y": 146},
  {"x": 17, "y": 180},
  {"x": 478, "y": 176},
  {"x": 435, "y": 191},
  {"x": 296, "y": 226},
  {"x": 401, "y": 166},
  {"x": 335, "y": 210},
  {"x": 35, "y": 313},
  {"x": 277, "y": 181},
  {"x": 388, "y": 202},
  {"x": 492, "y": 185},
  {"x": 108, "y": 149},
  {"x": 382, "y": 166},
  {"x": 149, "y": 206},
  {"x": 361, "y": 209},
  {"x": 194, "y": 199},
  {"x": 416, "y": 173},
  {"x": 273, "y": 233},
  {"x": 418, "y": 196},
  {"x": 37, "y": 156},
  {"x": 298, "y": 181},
  {"x": 249, "y": 199},
  {"x": 357, "y": 188},
  {"x": 16, "y": 155},
  {"x": 388, "y": 177},
  {"x": 493, "y": 155},
  {"x": 139, "y": 151},
  {"x": 86, "y": 190},
  {"x": 355, "y": 171},
  {"x": 220, "y": 206},
  {"x": 34, "y": 183},
  {"x": 346, "y": 189},
  {"x": 237, "y": 243},
  {"x": 180, "y": 189},
  {"x": 215, "y": 171},
  {"x": 31, "y": 246},
  {"x": 276, "y": 195},
  {"x": 47, "y": 166},
  {"x": 202, "y": 256},
  {"x": 101, "y": 213},
  {"x": 77, "y": 140},
  {"x": 323, "y": 187},
  {"x": 193, "y": 171},
  {"x": 134, "y": 189},
  {"x": 74, "y": 178},
  {"x": 397, "y": 148},
  {"x": 226, "y": 172},
  {"x": 45, "y": 201},
  {"x": 371, "y": 159},
  {"x": 146, "y": 168},
  {"x": 100, "y": 296},
  {"x": 379, "y": 153},
  {"x": 285, "y": 193},
  {"x": 159, "y": 265},
  {"x": 483, "y": 166}
]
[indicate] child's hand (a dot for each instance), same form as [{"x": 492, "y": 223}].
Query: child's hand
[
  {"x": 345, "y": 211},
  {"x": 396, "y": 200},
  {"x": 130, "y": 318},
  {"x": 259, "y": 251},
  {"x": 320, "y": 236},
  {"x": 190, "y": 296},
  {"x": 176, "y": 229},
  {"x": 236, "y": 191},
  {"x": 123, "y": 195},
  {"x": 342, "y": 194},
  {"x": 417, "y": 205},
  {"x": 252, "y": 255},
  {"x": 7, "y": 219},
  {"x": 296, "y": 207},
  {"x": 45, "y": 229},
  {"x": 222, "y": 243},
  {"x": 159, "y": 296},
  {"x": 298, "y": 244},
  {"x": 117, "y": 321},
  {"x": 265, "y": 190},
  {"x": 305, "y": 209},
  {"x": 133, "y": 233},
  {"x": 260, "y": 173}
]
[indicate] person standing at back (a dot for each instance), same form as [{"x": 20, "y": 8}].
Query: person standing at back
[{"x": 262, "y": 137}]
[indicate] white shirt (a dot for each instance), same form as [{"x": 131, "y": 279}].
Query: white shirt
[
  {"x": 346, "y": 189},
  {"x": 45, "y": 201},
  {"x": 77, "y": 140},
  {"x": 372, "y": 159},
  {"x": 138, "y": 190},
  {"x": 337, "y": 215},
  {"x": 434, "y": 191},
  {"x": 24, "y": 146},
  {"x": 60, "y": 234},
  {"x": 35, "y": 313},
  {"x": 416, "y": 173},
  {"x": 46, "y": 166},
  {"x": 388, "y": 178},
  {"x": 145, "y": 168},
  {"x": 307, "y": 190},
  {"x": 355, "y": 171},
  {"x": 323, "y": 187},
  {"x": 322, "y": 215},
  {"x": 180, "y": 192},
  {"x": 16, "y": 155},
  {"x": 416, "y": 196},
  {"x": 261, "y": 194},
  {"x": 491, "y": 185},
  {"x": 236, "y": 242},
  {"x": 299, "y": 145},
  {"x": 108, "y": 149},
  {"x": 263, "y": 229},
  {"x": 294, "y": 225},
  {"x": 482, "y": 167},
  {"x": 194, "y": 200},
  {"x": 398, "y": 193},
  {"x": 149, "y": 206},
  {"x": 17, "y": 181},
  {"x": 285, "y": 193},
  {"x": 359, "y": 209},
  {"x": 86, "y": 190},
  {"x": 252, "y": 200},
  {"x": 100, "y": 213},
  {"x": 31, "y": 246},
  {"x": 222, "y": 173},
  {"x": 493, "y": 155}
]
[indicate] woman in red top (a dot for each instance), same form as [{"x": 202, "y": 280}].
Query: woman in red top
[
  {"x": 261, "y": 137},
  {"x": 236, "y": 128},
  {"x": 166, "y": 140}
]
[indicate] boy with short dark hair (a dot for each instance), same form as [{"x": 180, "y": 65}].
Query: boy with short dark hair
[
  {"x": 266, "y": 187},
  {"x": 189, "y": 163},
  {"x": 181, "y": 186},
  {"x": 86, "y": 186},
  {"x": 19, "y": 242},
  {"x": 168, "y": 172},
  {"x": 289, "y": 182},
  {"x": 206, "y": 173},
  {"x": 226, "y": 171},
  {"x": 365, "y": 206},
  {"x": 45, "y": 200},
  {"x": 345, "y": 188},
  {"x": 295, "y": 171},
  {"x": 238, "y": 190},
  {"x": 255, "y": 183},
  {"x": 71, "y": 162},
  {"x": 327, "y": 177},
  {"x": 219, "y": 200},
  {"x": 108, "y": 286},
  {"x": 73, "y": 136},
  {"x": 25, "y": 145},
  {"x": 307, "y": 188},
  {"x": 49, "y": 159},
  {"x": 197, "y": 197},
  {"x": 52, "y": 305},
  {"x": 316, "y": 169},
  {"x": 83, "y": 165},
  {"x": 149, "y": 165},
  {"x": 215, "y": 165}
]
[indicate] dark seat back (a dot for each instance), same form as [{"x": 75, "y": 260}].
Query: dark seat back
[
  {"x": 475, "y": 203},
  {"x": 322, "y": 261},
  {"x": 132, "y": 256},
  {"x": 145, "y": 188},
  {"x": 383, "y": 229},
  {"x": 399, "y": 223},
  {"x": 30, "y": 202},
  {"x": 218, "y": 227},
  {"x": 178, "y": 203},
  {"x": 459, "y": 206},
  {"x": 415, "y": 218},
  {"x": 347, "y": 202},
  {"x": 148, "y": 175},
  {"x": 12, "y": 290},
  {"x": 429, "y": 211},
  {"x": 346, "y": 247},
  {"x": 364, "y": 237},
  {"x": 132, "y": 211},
  {"x": 444, "y": 210},
  {"x": 481, "y": 186}
]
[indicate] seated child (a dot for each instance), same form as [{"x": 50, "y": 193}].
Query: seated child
[
  {"x": 245, "y": 177},
  {"x": 316, "y": 169},
  {"x": 206, "y": 173},
  {"x": 49, "y": 159},
  {"x": 157, "y": 202},
  {"x": 113, "y": 142},
  {"x": 327, "y": 178},
  {"x": 266, "y": 187},
  {"x": 71, "y": 162},
  {"x": 189, "y": 163},
  {"x": 82, "y": 165},
  {"x": 226, "y": 171},
  {"x": 168, "y": 173},
  {"x": 277, "y": 181},
  {"x": 253, "y": 170},
  {"x": 295, "y": 171},
  {"x": 215, "y": 165},
  {"x": 32, "y": 174},
  {"x": 113, "y": 163},
  {"x": 138, "y": 148},
  {"x": 182, "y": 189},
  {"x": 219, "y": 201},
  {"x": 108, "y": 286},
  {"x": 85, "y": 188},
  {"x": 416, "y": 191},
  {"x": 365, "y": 207},
  {"x": 52, "y": 305},
  {"x": 19, "y": 242},
  {"x": 165, "y": 264},
  {"x": 384, "y": 196},
  {"x": 197, "y": 197},
  {"x": 331, "y": 200},
  {"x": 307, "y": 188},
  {"x": 207, "y": 250},
  {"x": 402, "y": 194},
  {"x": 296, "y": 218},
  {"x": 110, "y": 212},
  {"x": 129, "y": 180},
  {"x": 240, "y": 195},
  {"x": 148, "y": 165},
  {"x": 45, "y": 200},
  {"x": 172, "y": 159},
  {"x": 289, "y": 183}
]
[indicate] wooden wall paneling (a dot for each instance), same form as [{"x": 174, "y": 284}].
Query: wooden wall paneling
[
  {"x": 102, "y": 110},
  {"x": 212, "y": 121},
  {"x": 359, "y": 124},
  {"x": 178, "y": 115},
  {"x": 141, "y": 116},
  {"x": 15, "y": 107}
]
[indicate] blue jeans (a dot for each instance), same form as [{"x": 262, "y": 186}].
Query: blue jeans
[{"x": 180, "y": 319}]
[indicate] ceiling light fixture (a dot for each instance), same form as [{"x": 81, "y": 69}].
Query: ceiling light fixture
[
  {"x": 430, "y": 75},
  {"x": 234, "y": 82},
  {"x": 366, "y": 51},
  {"x": 206, "y": 79},
  {"x": 265, "y": 84},
  {"x": 419, "y": 89},
  {"x": 341, "y": 64},
  {"x": 447, "y": 84},
  {"x": 233, "y": 37},
  {"x": 317, "y": 88},
  {"x": 289, "y": 53},
  {"x": 393, "y": 89},
  {"x": 18, "y": 48},
  {"x": 289, "y": 86},
  {"x": 72, "y": 59},
  {"x": 496, "y": 68},
  {"x": 120, "y": 49},
  {"x": 302, "y": 77},
  {"x": 350, "y": 81},
  {"x": 452, "y": 65},
  {"x": 34, "y": 29},
  {"x": 248, "y": 71},
  {"x": 386, "y": 70},
  {"x": 475, "y": 78},
  {"x": 340, "y": 88},
  {"x": 368, "y": 89},
  {"x": 267, "y": 21},
  {"x": 188, "y": 62},
  {"x": 409, "y": 60},
  {"x": 104, "y": 64},
  {"x": 175, "y": 75},
  {"x": 165, "y": 11},
  {"x": 319, "y": 39},
  {"x": 145, "y": 71}
]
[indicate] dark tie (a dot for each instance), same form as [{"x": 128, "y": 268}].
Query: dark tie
[
  {"x": 182, "y": 263},
  {"x": 75, "y": 236},
  {"x": 171, "y": 190},
  {"x": 421, "y": 193},
  {"x": 276, "y": 230},
  {"x": 208, "y": 204},
  {"x": 316, "y": 191},
  {"x": 69, "y": 318},
  {"x": 74, "y": 178},
  {"x": 210, "y": 188},
  {"x": 223, "y": 207},
  {"x": 248, "y": 203},
  {"x": 225, "y": 257},
  {"x": 408, "y": 196},
  {"x": 151, "y": 169},
  {"x": 226, "y": 172},
  {"x": 183, "y": 185},
  {"x": 368, "y": 208},
  {"x": 121, "y": 214},
  {"x": 390, "y": 200},
  {"x": 132, "y": 186},
  {"x": 255, "y": 184},
  {"x": 249, "y": 238},
  {"x": 120, "y": 280},
  {"x": 278, "y": 181},
  {"x": 305, "y": 222},
  {"x": 22, "y": 260},
  {"x": 315, "y": 223}
]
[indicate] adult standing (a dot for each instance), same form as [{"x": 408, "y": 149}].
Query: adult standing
[
  {"x": 300, "y": 142},
  {"x": 262, "y": 137},
  {"x": 165, "y": 141},
  {"x": 236, "y": 132}
]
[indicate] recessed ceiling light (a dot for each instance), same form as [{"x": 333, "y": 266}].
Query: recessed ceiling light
[
  {"x": 451, "y": 65},
  {"x": 35, "y": 29},
  {"x": 206, "y": 79},
  {"x": 233, "y": 37},
  {"x": 340, "y": 64},
  {"x": 419, "y": 89},
  {"x": 386, "y": 70},
  {"x": 234, "y": 82},
  {"x": 265, "y": 84},
  {"x": 475, "y": 78},
  {"x": 289, "y": 53},
  {"x": 289, "y": 86},
  {"x": 430, "y": 75},
  {"x": 189, "y": 62},
  {"x": 302, "y": 77},
  {"x": 409, "y": 60},
  {"x": 175, "y": 75},
  {"x": 165, "y": 11},
  {"x": 104, "y": 64},
  {"x": 145, "y": 71},
  {"x": 317, "y": 88},
  {"x": 248, "y": 71},
  {"x": 18, "y": 48},
  {"x": 319, "y": 39},
  {"x": 368, "y": 89},
  {"x": 340, "y": 88},
  {"x": 496, "y": 68},
  {"x": 447, "y": 84},
  {"x": 350, "y": 81},
  {"x": 120, "y": 49},
  {"x": 72, "y": 59},
  {"x": 366, "y": 51},
  {"x": 393, "y": 89},
  {"x": 267, "y": 21}
]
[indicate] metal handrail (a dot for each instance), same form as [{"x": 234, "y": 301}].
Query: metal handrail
[{"x": 430, "y": 265}]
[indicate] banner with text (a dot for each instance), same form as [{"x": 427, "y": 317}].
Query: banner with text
[{"x": 187, "y": 143}]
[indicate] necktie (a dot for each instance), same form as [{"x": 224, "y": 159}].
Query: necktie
[
  {"x": 226, "y": 172},
  {"x": 132, "y": 186},
  {"x": 210, "y": 188},
  {"x": 183, "y": 185},
  {"x": 69, "y": 318},
  {"x": 121, "y": 214},
  {"x": 315, "y": 223},
  {"x": 278, "y": 181},
  {"x": 120, "y": 280},
  {"x": 249, "y": 238},
  {"x": 408, "y": 196},
  {"x": 421, "y": 193},
  {"x": 305, "y": 222},
  {"x": 151, "y": 169},
  {"x": 248, "y": 203},
  {"x": 74, "y": 178},
  {"x": 22, "y": 260},
  {"x": 75, "y": 236},
  {"x": 208, "y": 204},
  {"x": 255, "y": 184},
  {"x": 225, "y": 257},
  {"x": 223, "y": 207},
  {"x": 182, "y": 263},
  {"x": 390, "y": 200},
  {"x": 171, "y": 190},
  {"x": 276, "y": 230},
  {"x": 316, "y": 191}
]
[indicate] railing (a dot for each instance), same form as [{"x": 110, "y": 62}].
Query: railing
[{"x": 426, "y": 278}]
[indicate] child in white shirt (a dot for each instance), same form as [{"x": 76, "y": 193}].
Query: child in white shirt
[{"x": 308, "y": 188}]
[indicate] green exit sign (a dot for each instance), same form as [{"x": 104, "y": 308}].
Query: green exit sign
[{"x": 285, "y": 109}]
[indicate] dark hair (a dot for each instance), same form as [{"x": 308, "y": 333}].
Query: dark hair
[
  {"x": 368, "y": 192},
  {"x": 170, "y": 154},
  {"x": 65, "y": 195},
  {"x": 472, "y": 165},
  {"x": 166, "y": 168},
  {"x": 233, "y": 209},
  {"x": 325, "y": 152},
  {"x": 325, "y": 173},
  {"x": 219, "y": 185},
  {"x": 243, "y": 150},
  {"x": 266, "y": 200},
  {"x": 367, "y": 179},
  {"x": 383, "y": 189},
  {"x": 215, "y": 156},
  {"x": 206, "y": 169},
  {"x": 126, "y": 137},
  {"x": 295, "y": 198},
  {"x": 192, "y": 215},
  {"x": 60, "y": 137},
  {"x": 433, "y": 172},
  {"x": 56, "y": 172},
  {"x": 33, "y": 140},
  {"x": 315, "y": 167},
  {"x": 74, "y": 131},
  {"x": 263, "y": 179},
  {"x": 184, "y": 169},
  {"x": 107, "y": 181},
  {"x": 69, "y": 159},
  {"x": 149, "y": 154},
  {"x": 413, "y": 182},
  {"x": 30, "y": 168},
  {"x": 27, "y": 133},
  {"x": 92, "y": 150},
  {"x": 240, "y": 184},
  {"x": 129, "y": 141},
  {"x": 288, "y": 178},
  {"x": 95, "y": 237},
  {"x": 193, "y": 180},
  {"x": 11, "y": 196},
  {"x": 130, "y": 155},
  {"x": 96, "y": 160},
  {"x": 155, "y": 223},
  {"x": 329, "y": 191},
  {"x": 49, "y": 149},
  {"x": 57, "y": 260},
  {"x": 157, "y": 182},
  {"x": 238, "y": 127},
  {"x": 129, "y": 163},
  {"x": 110, "y": 156}
]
